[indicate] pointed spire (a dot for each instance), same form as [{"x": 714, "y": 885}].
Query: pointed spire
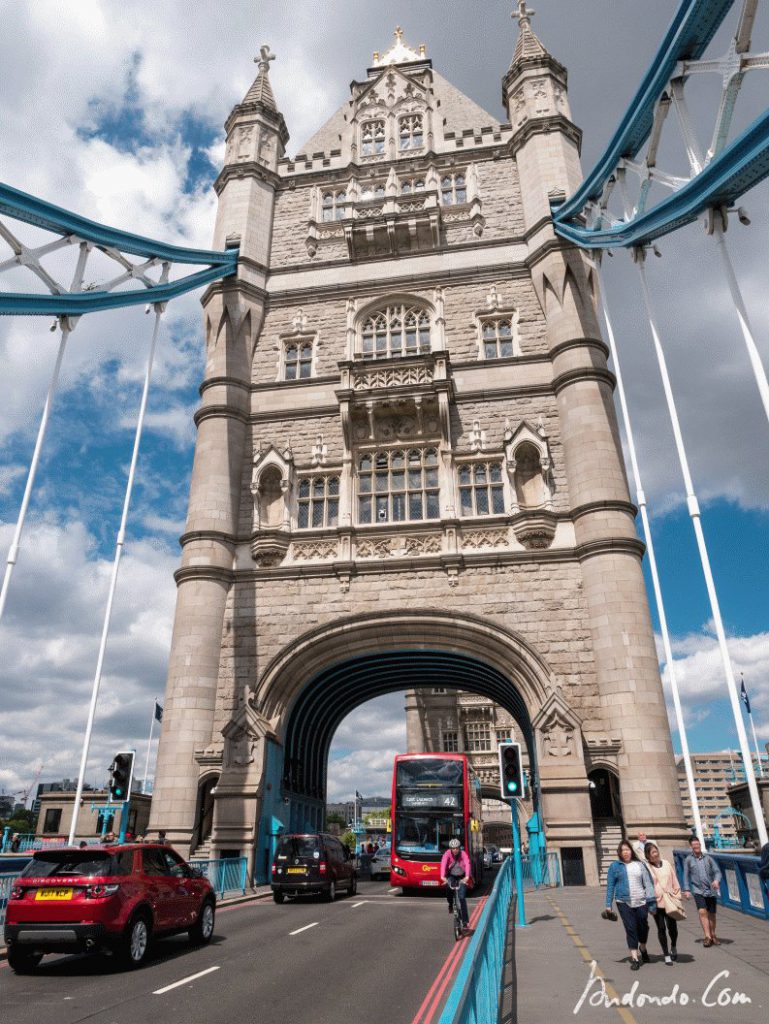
[
  {"x": 261, "y": 90},
  {"x": 528, "y": 44}
]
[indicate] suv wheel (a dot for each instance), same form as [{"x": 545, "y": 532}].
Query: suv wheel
[
  {"x": 203, "y": 929},
  {"x": 23, "y": 962},
  {"x": 353, "y": 885},
  {"x": 278, "y": 896},
  {"x": 330, "y": 895},
  {"x": 136, "y": 941}
]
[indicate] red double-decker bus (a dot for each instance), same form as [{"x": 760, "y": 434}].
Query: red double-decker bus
[{"x": 435, "y": 798}]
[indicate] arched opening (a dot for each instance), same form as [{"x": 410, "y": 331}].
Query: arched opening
[
  {"x": 606, "y": 810},
  {"x": 529, "y": 489},
  {"x": 270, "y": 498},
  {"x": 204, "y": 818},
  {"x": 333, "y": 693}
]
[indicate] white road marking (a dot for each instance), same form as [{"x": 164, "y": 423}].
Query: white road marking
[
  {"x": 298, "y": 930},
  {"x": 184, "y": 981},
  {"x": 394, "y": 890},
  {"x": 354, "y": 905}
]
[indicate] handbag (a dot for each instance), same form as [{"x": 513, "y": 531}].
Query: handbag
[{"x": 673, "y": 906}]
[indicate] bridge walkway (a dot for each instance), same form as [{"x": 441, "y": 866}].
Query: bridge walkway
[{"x": 550, "y": 968}]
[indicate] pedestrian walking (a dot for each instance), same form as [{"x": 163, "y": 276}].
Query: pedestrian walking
[
  {"x": 670, "y": 908},
  {"x": 702, "y": 880},
  {"x": 640, "y": 845},
  {"x": 630, "y": 883}
]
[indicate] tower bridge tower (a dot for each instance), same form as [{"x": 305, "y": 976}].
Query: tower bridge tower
[{"x": 408, "y": 472}]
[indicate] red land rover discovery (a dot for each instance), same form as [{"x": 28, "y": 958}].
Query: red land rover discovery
[{"x": 114, "y": 897}]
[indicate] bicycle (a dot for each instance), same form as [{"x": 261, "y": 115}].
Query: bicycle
[{"x": 459, "y": 927}]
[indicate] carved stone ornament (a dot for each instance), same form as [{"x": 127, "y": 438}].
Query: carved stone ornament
[
  {"x": 475, "y": 540},
  {"x": 559, "y": 729},
  {"x": 399, "y": 547},
  {"x": 535, "y": 530},
  {"x": 313, "y": 551},
  {"x": 242, "y": 735}
]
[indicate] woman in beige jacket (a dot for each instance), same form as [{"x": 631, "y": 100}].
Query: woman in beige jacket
[{"x": 665, "y": 884}]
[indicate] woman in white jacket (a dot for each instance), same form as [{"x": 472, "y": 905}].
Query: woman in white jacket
[{"x": 668, "y": 892}]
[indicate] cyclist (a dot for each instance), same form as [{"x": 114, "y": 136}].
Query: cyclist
[{"x": 455, "y": 873}]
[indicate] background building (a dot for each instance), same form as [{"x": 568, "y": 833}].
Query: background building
[{"x": 55, "y": 814}]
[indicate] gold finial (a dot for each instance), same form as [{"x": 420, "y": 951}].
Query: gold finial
[
  {"x": 523, "y": 14},
  {"x": 422, "y": 49},
  {"x": 398, "y": 34},
  {"x": 376, "y": 56},
  {"x": 264, "y": 58}
]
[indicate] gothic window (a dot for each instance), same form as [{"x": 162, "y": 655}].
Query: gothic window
[
  {"x": 453, "y": 189},
  {"x": 477, "y": 736},
  {"x": 398, "y": 486},
  {"x": 411, "y": 132},
  {"x": 497, "y": 337},
  {"x": 480, "y": 489},
  {"x": 372, "y": 138},
  {"x": 297, "y": 360},
  {"x": 439, "y": 689},
  {"x": 450, "y": 742},
  {"x": 334, "y": 206},
  {"x": 412, "y": 185},
  {"x": 372, "y": 191},
  {"x": 504, "y": 735},
  {"x": 395, "y": 331},
  {"x": 318, "y": 503},
  {"x": 529, "y": 485}
]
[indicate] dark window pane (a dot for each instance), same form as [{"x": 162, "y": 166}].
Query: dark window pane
[
  {"x": 304, "y": 489},
  {"x": 304, "y": 516},
  {"x": 333, "y": 513},
  {"x": 466, "y": 501},
  {"x": 397, "y": 460},
  {"x": 415, "y": 506},
  {"x": 333, "y": 485},
  {"x": 317, "y": 513},
  {"x": 482, "y": 502},
  {"x": 506, "y": 348},
  {"x": 464, "y": 474},
  {"x": 399, "y": 481},
  {"x": 431, "y": 478},
  {"x": 497, "y": 501},
  {"x": 433, "y": 509},
  {"x": 495, "y": 473},
  {"x": 364, "y": 484},
  {"x": 480, "y": 473},
  {"x": 305, "y": 370},
  {"x": 415, "y": 479},
  {"x": 399, "y": 507},
  {"x": 318, "y": 487},
  {"x": 490, "y": 350},
  {"x": 290, "y": 371},
  {"x": 382, "y": 511},
  {"x": 364, "y": 510},
  {"x": 381, "y": 483}
]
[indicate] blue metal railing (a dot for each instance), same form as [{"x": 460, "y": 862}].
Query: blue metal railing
[
  {"x": 741, "y": 887},
  {"x": 227, "y": 875},
  {"x": 6, "y": 884},
  {"x": 475, "y": 996}
]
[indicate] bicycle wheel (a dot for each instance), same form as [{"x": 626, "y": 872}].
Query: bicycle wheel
[{"x": 458, "y": 928}]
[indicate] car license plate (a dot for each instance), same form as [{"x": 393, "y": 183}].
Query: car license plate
[
  {"x": 296, "y": 871},
  {"x": 429, "y": 881},
  {"x": 53, "y": 894}
]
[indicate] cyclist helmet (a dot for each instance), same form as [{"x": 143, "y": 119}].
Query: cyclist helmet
[{"x": 454, "y": 844}]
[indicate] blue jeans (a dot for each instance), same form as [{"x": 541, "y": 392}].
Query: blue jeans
[{"x": 461, "y": 891}]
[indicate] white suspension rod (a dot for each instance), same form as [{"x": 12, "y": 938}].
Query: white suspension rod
[
  {"x": 694, "y": 513},
  {"x": 747, "y": 332},
  {"x": 149, "y": 747},
  {"x": 113, "y": 581},
  {"x": 13, "y": 551},
  {"x": 641, "y": 499}
]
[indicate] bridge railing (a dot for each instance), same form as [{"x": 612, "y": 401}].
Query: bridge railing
[
  {"x": 227, "y": 875},
  {"x": 541, "y": 871},
  {"x": 741, "y": 887},
  {"x": 6, "y": 884}
]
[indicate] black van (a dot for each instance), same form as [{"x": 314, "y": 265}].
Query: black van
[{"x": 312, "y": 863}]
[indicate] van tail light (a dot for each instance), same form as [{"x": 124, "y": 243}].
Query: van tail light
[
  {"x": 322, "y": 867},
  {"x": 17, "y": 893},
  {"x": 99, "y": 892},
  {"x": 274, "y": 869}
]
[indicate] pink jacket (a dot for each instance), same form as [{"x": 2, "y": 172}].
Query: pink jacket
[{"x": 447, "y": 860}]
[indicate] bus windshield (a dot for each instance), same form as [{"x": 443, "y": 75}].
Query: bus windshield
[
  {"x": 428, "y": 771},
  {"x": 425, "y": 837}
]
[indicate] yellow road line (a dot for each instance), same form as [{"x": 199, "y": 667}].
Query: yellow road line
[{"x": 588, "y": 957}]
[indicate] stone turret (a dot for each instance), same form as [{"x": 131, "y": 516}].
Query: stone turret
[{"x": 234, "y": 313}]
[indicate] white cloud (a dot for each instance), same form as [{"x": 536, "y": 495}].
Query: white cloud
[{"x": 367, "y": 768}]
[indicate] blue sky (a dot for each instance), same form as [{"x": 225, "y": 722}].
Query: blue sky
[{"x": 122, "y": 121}]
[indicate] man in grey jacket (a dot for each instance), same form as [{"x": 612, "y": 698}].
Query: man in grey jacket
[{"x": 702, "y": 880}]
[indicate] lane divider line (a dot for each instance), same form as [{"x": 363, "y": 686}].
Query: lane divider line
[
  {"x": 354, "y": 905},
  {"x": 428, "y": 1004},
  {"x": 588, "y": 957},
  {"x": 299, "y": 930},
  {"x": 185, "y": 981}
]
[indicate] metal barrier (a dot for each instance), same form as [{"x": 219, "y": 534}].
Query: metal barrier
[
  {"x": 26, "y": 841},
  {"x": 6, "y": 884},
  {"x": 226, "y": 876},
  {"x": 541, "y": 871},
  {"x": 474, "y": 998},
  {"x": 741, "y": 887}
]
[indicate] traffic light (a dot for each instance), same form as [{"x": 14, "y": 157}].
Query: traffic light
[
  {"x": 511, "y": 779},
  {"x": 121, "y": 775}
]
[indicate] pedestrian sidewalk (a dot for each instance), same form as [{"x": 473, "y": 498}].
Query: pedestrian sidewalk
[{"x": 556, "y": 980}]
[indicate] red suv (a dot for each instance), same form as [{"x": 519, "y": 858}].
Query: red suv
[{"x": 113, "y": 897}]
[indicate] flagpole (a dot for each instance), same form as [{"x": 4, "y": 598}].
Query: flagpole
[
  {"x": 149, "y": 746},
  {"x": 755, "y": 743}
]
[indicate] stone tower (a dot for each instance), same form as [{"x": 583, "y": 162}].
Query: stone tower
[{"x": 408, "y": 473}]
